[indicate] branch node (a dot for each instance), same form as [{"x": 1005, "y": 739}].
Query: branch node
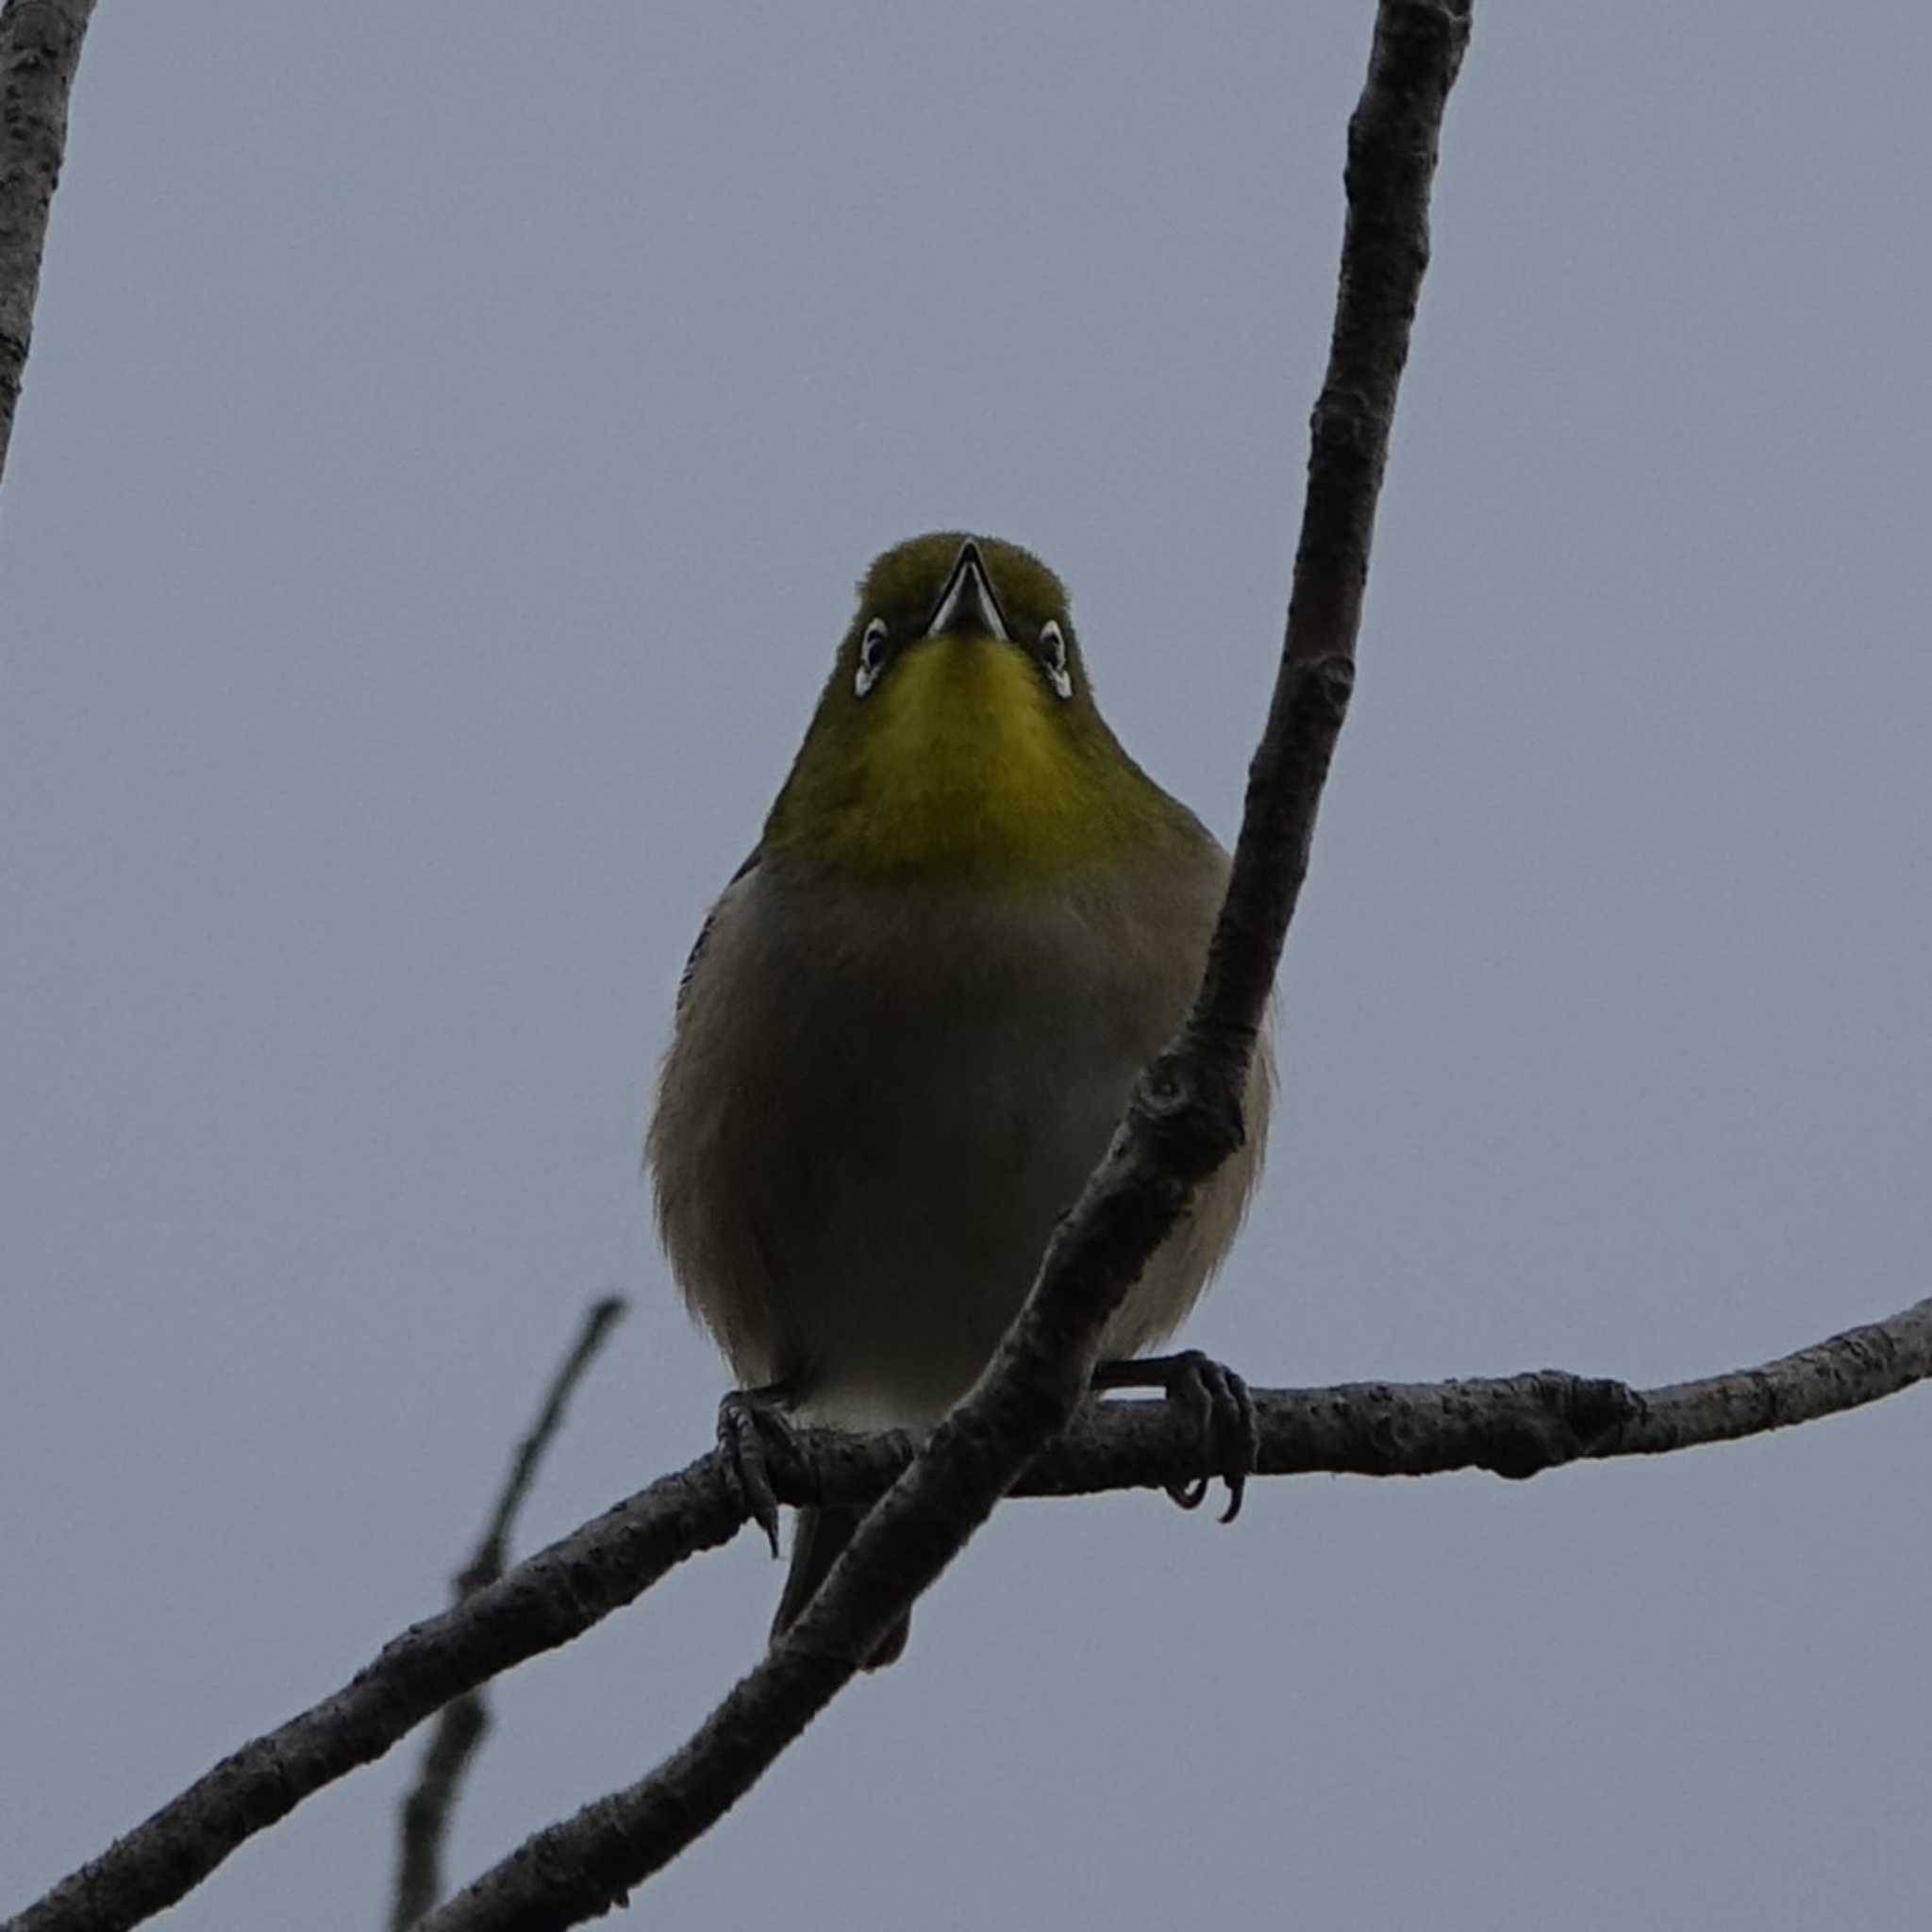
[{"x": 1187, "y": 1113}]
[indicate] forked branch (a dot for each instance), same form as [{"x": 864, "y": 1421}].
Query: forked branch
[
  {"x": 1515, "y": 1426},
  {"x": 1022, "y": 1430},
  {"x": 1184, "y": 1116}
]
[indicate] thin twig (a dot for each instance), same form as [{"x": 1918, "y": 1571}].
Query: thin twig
[
  {"x": 1512, "y": 1425},
  {"x": 39, "y": 49},
  {"x": 465, "y": 1722}
]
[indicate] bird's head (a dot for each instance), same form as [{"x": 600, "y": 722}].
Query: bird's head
[{"x": 957, "y": 734}]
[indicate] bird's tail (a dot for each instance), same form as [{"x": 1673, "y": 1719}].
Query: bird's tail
[{"x": 818, "y": 1539}]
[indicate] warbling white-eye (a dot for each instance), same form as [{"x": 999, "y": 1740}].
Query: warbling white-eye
[{"x": 910, "y": 1025}]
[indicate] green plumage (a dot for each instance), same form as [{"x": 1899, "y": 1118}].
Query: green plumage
[{"x": 901, "y": 1049}]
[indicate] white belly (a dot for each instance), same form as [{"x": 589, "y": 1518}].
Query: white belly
[{"x": 863, "y": 1142}]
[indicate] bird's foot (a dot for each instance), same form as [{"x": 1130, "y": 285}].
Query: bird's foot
[
  {"x": 751, "y": 1421},
  {"x": 1223, "y": 1411}
]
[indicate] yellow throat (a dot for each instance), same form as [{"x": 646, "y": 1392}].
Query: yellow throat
[{"x": 958, "y": 766}]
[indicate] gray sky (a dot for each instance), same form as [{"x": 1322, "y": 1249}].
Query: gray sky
[{"x": 447, "y": 452}]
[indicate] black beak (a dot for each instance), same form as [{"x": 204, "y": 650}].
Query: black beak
[{"x": 967, "y": 605}]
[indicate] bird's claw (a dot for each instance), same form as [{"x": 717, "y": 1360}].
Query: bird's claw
[
  {"x": 749, "y": 1422},
  {"x": 1223, "y": 1411}
]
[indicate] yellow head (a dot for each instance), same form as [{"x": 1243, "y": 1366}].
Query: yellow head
[{"x": 957, "y": 735}]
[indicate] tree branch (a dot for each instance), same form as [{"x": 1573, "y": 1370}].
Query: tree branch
[
  {"x": 465, "y": 1722},
  {"x": 1513, "y": 1425},
  {"x": 39, "y": 49},
  {"x": 1182, "y": 1120},
  {"x": 1184, "y": 1116}
]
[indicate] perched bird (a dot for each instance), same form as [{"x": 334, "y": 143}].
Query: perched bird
[{"x": 910, "y": 1025}]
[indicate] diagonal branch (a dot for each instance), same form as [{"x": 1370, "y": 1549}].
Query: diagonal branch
[
  {"x": 39, "y": 49},
  {"x": 1513, "y": 1425},
  {"x": 1184, "y": 1116},
  {"x": 465, "y": 1722}
]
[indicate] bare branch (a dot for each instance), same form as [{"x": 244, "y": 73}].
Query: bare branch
[
  {"x": 545, "y": 1601},
  {"x": 1184, "y": 1116},
  {"x": 1513, "y": 1425},
  {"x": 1182, "y": 1120},
  {"x": 465, "y": 1722},
  {"x": 39, "y": 49},
  {"x": 460, "y": 1727}
]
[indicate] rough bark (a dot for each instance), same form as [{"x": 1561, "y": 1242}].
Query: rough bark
[
  {"x": 1515, "y": 1426},
  {"x": 40, "y": 50}
]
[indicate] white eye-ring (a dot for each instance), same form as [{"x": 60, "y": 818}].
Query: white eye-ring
[
  {"x": 872, "y": 656},
  {"x": 1053, "y": 657}
]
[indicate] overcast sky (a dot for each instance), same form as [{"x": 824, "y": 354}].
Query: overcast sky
[{"x": 449, "y": 445}]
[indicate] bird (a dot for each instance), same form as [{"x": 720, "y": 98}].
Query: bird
[{"x": 910, "y": 1026}]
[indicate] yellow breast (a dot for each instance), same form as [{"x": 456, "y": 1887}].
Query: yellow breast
[{"x": 957, "y": 765}]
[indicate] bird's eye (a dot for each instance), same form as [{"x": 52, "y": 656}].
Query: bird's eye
[
  {"x": 872, "y": 656},
  {"x": 1052, "y": 659}
]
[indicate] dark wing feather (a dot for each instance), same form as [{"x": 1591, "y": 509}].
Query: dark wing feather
[{"x": 690, "y": 965}]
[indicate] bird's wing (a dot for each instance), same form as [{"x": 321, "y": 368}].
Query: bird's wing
[{"x": 697, "y": 951}]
